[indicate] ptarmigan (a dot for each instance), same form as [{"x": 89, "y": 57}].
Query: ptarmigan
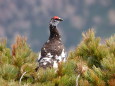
[{"x": 52, "y": 52}]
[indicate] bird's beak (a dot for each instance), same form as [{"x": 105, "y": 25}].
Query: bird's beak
[{"x": 60, "y": 19}]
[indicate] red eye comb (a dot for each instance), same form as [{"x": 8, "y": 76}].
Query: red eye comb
[{"x": 55, "y": 17}]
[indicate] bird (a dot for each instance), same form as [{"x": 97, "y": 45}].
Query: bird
[{"x": 52, "y": 52}]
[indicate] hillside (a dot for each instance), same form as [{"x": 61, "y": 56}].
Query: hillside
[
  {"x": 31, "y": 18},
  {"x": 92, "y": 63}
]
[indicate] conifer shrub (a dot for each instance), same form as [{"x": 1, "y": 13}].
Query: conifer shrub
[
  {"x": 110, "y": 43},
  {"x": 67, "y": 80},
  {"x": 83, "y": 82},
  {"x": 47, "y": 75},
  {"x": 8, "y": 72},
  {"x": 92, "y": 63},
  {"x": 91, "y": 50},
  {"x": 69, "y": 68},
  {"x": 5, "y": 56}
]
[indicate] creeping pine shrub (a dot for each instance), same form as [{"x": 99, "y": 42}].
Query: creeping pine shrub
[
  {"x": 8, "y": 72},
  {"x": 91, "y": 64},
  {"x": 91, "y": 50}
]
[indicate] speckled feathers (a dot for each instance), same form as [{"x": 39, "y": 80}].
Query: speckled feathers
[{"x": 52, "y": 51}]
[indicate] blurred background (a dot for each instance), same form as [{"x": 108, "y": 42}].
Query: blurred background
[{"x": 31, "y": 18}]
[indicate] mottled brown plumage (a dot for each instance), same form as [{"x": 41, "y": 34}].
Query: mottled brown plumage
[
  {"x": 54, "y": 44},
  {"x": 52, "y": 51}
]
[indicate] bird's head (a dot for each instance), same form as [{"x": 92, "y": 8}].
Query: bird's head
[{"x": 55, "y": 20}]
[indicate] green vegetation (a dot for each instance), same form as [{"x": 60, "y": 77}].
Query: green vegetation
[{"x": 93, "y": 61}]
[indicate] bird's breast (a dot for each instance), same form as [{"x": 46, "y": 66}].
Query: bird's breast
[{"x": 54, "y": 47}]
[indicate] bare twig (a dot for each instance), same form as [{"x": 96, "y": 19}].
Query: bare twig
[
  {"x": 21, "y": 77},
  {"x": 77, "y": 80}
]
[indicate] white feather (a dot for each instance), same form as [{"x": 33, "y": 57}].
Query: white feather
[
  {"x": 49, "y": 55},
  {"x": 55, "y": 65},
  {"x": 62, "y": 57},
  {"x": 39, "y": 56}
]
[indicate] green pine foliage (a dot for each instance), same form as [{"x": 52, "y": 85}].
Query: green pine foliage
[
  {"x": 92, "y": 63},
  {"x": 91, "y": 50}
]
